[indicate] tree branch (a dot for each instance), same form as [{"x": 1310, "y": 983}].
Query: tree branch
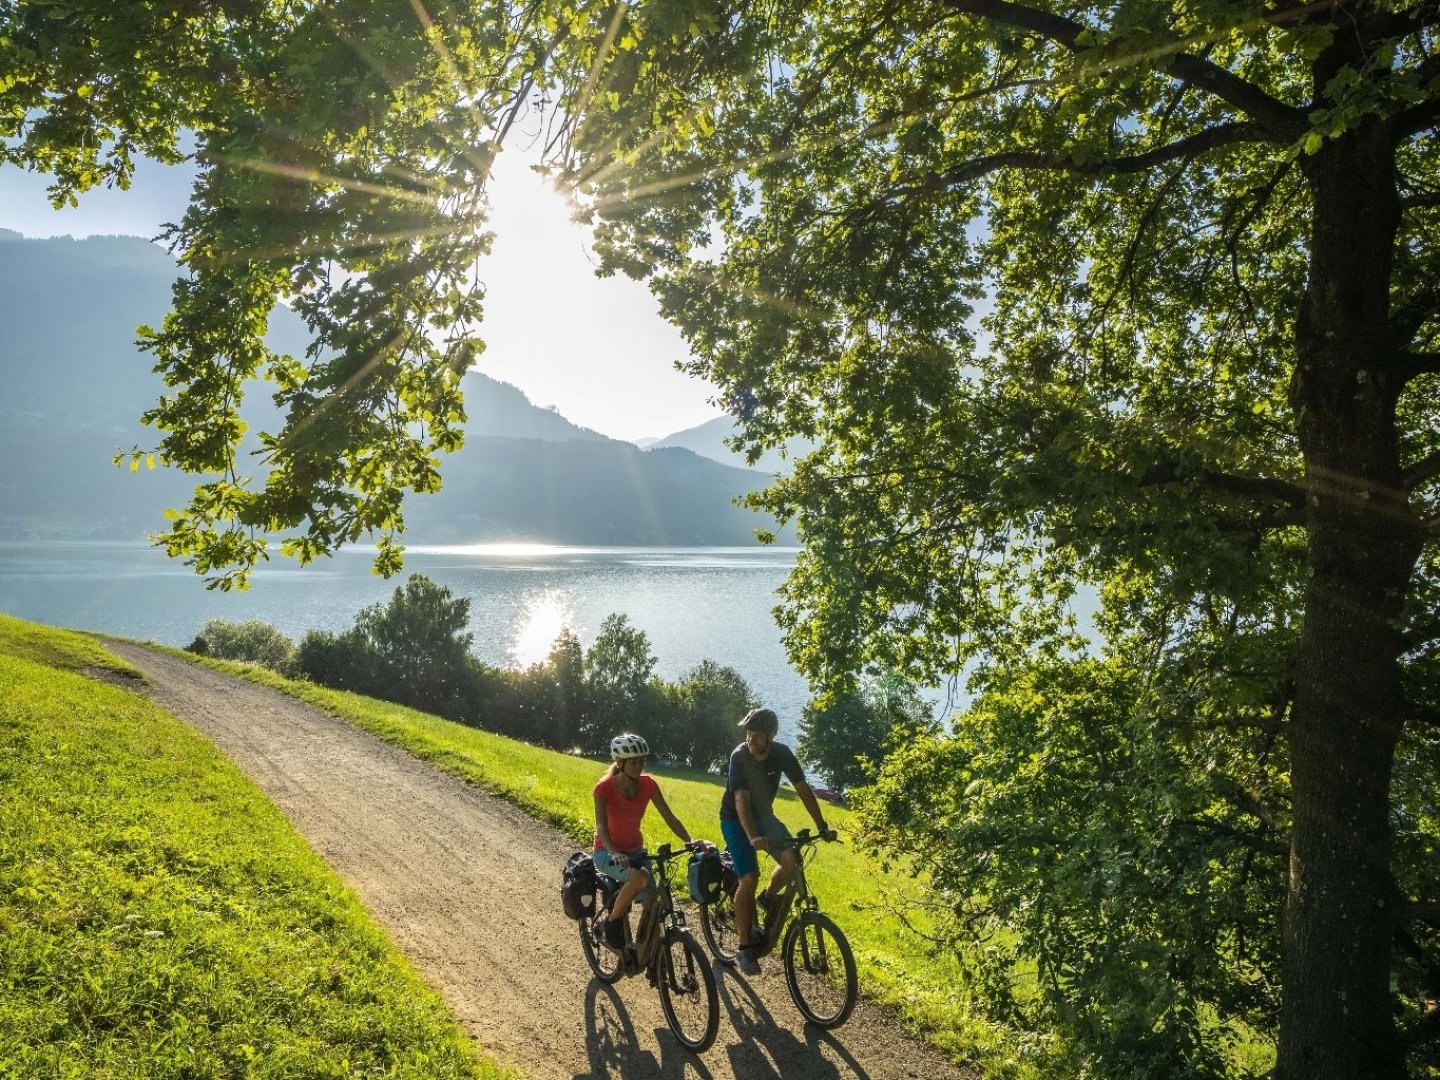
[
  {"x": 1281, "y": 122},
  {"x": 1262, "y": 489},
  {"x": 1427, "y": 468},
  {"x": 1424, "y": 911},
  {"x": 1424, "y": 115},
  {"x": 1192, "y": 146},
  {"x": 1412, "y": 313},
  {"x": 1419, "y": 363}
]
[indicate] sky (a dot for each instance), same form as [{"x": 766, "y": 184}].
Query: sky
[{"x": 595, "y": 349}]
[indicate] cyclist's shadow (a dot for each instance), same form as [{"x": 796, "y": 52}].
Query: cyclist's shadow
[
  {"x": 763, "y": 1047},
  {"x": 612, "y": 1045}
]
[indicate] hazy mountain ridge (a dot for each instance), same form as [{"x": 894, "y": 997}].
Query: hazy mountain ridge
[
  {"x": 708, "y": 440},
  {"x": 75, "y": 385}
]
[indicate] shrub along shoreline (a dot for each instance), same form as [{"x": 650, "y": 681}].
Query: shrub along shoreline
[{"x": 158, "y": 915}]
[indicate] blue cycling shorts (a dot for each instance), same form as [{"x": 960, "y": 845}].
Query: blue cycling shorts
[{"x": 738, "y": 842}]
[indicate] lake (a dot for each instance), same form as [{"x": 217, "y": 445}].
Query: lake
[{"x": 693, "y": 603}]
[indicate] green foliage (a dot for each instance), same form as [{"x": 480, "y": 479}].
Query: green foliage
[
  {"x": 254, "y": 641},
  {"x": 619, "y": 667},
  {"x": 420, "y": 641},
  {"x": 343, "y": 152},
  {"x": 709, "y": 701},
  {"x": 1076, "y": 833},
  {"x": 558, "y": 693},
  {"x": 415, "y": 650},
  {"x": 845, "y": 735},
  {"x": 345, "y": 661},
  {"x": 159, "y": 918}
]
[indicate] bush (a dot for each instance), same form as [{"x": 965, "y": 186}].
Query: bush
[
  {"x": 845, "y": 737},
  {"x": 340, "y": 661},
  {"x": 255, "y": 642}
]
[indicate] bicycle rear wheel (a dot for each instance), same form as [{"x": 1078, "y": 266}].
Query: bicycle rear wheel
[
  {"x": 604, "y": 963},
  {"x": 687, "y": 992},
  {"x": 820, "y": 969},
  {"x": 717, "y": 922}
]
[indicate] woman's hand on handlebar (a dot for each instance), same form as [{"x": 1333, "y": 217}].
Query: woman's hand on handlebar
[{"x": 619, "y": 858}]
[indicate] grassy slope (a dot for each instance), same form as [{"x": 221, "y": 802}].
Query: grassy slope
[
  {"x": 895, "y": 968},
  {"x": 159, "y": 917}
]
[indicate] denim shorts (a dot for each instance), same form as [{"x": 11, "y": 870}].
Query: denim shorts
[
  {"x": 606, "y": 865},
  {"x": 738, "y": 841}
]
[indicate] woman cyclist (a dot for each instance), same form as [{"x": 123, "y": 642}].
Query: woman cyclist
[{"x": 621, "y": 797}]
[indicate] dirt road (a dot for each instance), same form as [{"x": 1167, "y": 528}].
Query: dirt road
[{"x": 467, "y": 886}]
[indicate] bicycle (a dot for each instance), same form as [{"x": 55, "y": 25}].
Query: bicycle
[
  {"x": 819, "y": 964},
  {"x": 665, "y": 950}
]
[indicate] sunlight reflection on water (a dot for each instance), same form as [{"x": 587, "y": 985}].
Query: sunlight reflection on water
[{"x": 545, "y": 615}]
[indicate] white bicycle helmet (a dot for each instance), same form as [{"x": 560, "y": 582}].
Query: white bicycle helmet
[{"x": 628, "y": 746}]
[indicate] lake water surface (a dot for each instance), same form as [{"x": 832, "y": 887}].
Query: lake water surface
[{"x": 694, "y": 603}]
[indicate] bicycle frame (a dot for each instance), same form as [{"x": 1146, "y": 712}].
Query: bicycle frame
[
  {"x": 644, "y": 950},
  {"x": 794, "y": 899}
]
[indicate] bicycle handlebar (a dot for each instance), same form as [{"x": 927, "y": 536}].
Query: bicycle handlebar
[
  {"x": 664, "y": 853},
  {"x": 805, "y": 836}
]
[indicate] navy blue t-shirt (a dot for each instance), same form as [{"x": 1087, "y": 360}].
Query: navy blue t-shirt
[{"x": 760, "y": 778}]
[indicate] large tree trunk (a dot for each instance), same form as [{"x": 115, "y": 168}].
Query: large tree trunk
[{"x": 1337, "y": 1014}]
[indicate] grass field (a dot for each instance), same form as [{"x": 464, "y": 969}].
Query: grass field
[
  {"x": 896, "y": 968},
  {"x": 160, "y": 919}
]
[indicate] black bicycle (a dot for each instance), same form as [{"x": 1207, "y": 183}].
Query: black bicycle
[
  {"x": 819, "y": 965},
  {"x": 665, "y": 950}
]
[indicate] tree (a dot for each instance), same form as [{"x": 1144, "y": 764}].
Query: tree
[
  {"x": 557, "y": 687},
  {"x": 711, "y": 699},
  {"x": 847, "y": 734},
  {"x": 618, "y": 669},
  {"x": 421, "y": 646},
  {"x": 1206, "y": 384}
]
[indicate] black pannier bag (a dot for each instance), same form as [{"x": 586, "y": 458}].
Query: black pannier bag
[
  {"x": 728, "y": 881},
  {"x": 707, "y": 875},
  {"x": 577, "y": 885}
]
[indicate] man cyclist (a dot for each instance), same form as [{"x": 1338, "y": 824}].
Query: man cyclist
[{"x": 748, "y": 822}]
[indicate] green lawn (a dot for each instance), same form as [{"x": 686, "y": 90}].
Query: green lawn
[
  {"x": 159, "y": 918},
  {"x": 896, "y": 967}
]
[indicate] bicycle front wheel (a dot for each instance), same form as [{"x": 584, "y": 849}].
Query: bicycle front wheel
[
  {"x": 604, "y": 963},
  {"x": 687, "y": 992},
  {"x": 820, "y": 969},
  {"x": 717, "y": 922}
]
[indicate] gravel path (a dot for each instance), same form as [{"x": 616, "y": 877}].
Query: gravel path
[{"x": 468, "y": 888}]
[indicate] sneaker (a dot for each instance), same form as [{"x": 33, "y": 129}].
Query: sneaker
[
  {"x": 615, "y": 934},
  {"x": 746, "y": 962}
]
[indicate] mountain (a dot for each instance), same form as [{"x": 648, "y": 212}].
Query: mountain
[
  {"x": 708, "y": 440},
  {"x": 74, "y": 386},
  {"x": 607, "y": 493}
]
